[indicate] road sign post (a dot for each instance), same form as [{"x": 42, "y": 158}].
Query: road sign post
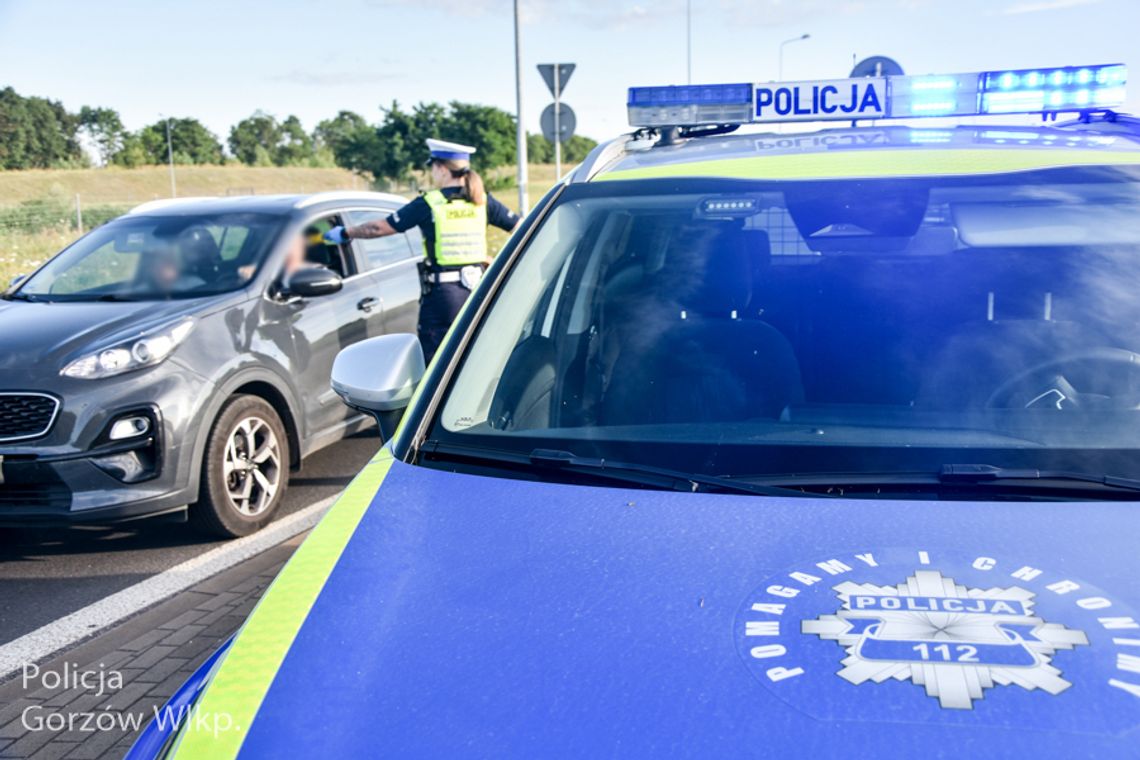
[
  {"x": 557, "y": 131},
  {"x": 556, "y": 75}
]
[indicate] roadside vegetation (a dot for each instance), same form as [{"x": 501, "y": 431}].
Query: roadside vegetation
[
  {"x": 38, "y": 214},
  {"x": 63, "y": 172}
]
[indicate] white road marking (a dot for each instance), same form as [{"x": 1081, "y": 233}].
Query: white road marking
[{"x": 85, "y": 623}]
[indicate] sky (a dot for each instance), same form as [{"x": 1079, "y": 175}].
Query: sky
[{"x": 221, "y": 61}]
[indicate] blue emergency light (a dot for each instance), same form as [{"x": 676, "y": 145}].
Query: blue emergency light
[{"x": 1044, "y": 91}]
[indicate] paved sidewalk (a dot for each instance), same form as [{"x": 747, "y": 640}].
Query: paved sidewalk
[{"x": 60, "y": 711}]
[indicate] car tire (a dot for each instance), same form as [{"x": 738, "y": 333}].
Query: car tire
[{"x": 245, "y": 469}]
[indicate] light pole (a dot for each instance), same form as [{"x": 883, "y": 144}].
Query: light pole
[
  {"x": 780, "y": 68},
  {"x": 170, "y": 159},
  {"x": 689, "y": 39},
  {"x": 520, "y": 131}
]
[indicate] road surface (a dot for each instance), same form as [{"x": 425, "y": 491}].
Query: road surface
[{"x": 48, "y": 573}]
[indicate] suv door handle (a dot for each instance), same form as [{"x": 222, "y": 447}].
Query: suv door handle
[{"x": 368, "y": 304}]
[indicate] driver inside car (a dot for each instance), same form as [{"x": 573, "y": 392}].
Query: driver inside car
[{"x": 164, "y": 271}]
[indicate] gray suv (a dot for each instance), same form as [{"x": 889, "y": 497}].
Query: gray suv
[{"x": 180, "y": 355}]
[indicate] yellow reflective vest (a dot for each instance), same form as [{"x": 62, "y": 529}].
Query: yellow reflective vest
[{"x": 460, "y": 230}]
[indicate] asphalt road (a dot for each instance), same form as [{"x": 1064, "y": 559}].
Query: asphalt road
[{"x": 48, "y": 573}]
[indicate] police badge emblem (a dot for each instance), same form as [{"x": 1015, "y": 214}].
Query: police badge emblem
[
  {"x": 909, "y": 634},
  {"x": 953, "y": 640}
]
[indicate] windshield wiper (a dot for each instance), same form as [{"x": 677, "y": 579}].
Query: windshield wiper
[
  {"x": 981, "y": 476},
  {"x": 20, "y": 297},
  {"x": 608, "y": 469},
  {"x": 987, "y": 473}
]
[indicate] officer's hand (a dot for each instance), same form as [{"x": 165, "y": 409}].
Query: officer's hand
[{"x": 336, "y": 236}]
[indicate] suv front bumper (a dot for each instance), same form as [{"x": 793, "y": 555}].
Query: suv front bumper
[{"x": 76, "y": 474}]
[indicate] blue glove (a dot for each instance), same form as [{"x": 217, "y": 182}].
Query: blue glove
[{"x": 336, "y": 236}]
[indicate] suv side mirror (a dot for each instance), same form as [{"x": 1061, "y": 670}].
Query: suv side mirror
[
  {"x": 311, "y": 282},
  {"x": 16, "y": 280},
  {"x": 379, "y": 376}
]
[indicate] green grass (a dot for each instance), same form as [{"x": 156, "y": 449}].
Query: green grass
[
  {"x": 37, "y": 208},
  {"x": 131, "y": 186}
]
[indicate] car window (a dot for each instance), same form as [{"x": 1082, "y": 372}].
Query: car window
[
  {"x": 229, "y": 240},
  {"x": 968, "y": 319},
  {"x": 104, "y": 267},
  {"x": 142, "y": 258},
  {"x": 321, "y": 253},
  {"x": 379, "y": 252}
]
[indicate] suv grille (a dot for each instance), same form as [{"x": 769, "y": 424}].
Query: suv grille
[{"x": 26, "y": 415}]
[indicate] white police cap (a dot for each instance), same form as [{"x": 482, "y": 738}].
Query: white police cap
[{"x": 449, "y": 151}]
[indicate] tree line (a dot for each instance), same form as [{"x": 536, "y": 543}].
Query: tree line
[{"x": 39, "y": 133}]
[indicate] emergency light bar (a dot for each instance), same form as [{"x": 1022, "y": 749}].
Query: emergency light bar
[{"x": 1072, "y": 88}]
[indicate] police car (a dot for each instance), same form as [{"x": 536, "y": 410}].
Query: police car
[{"x": 750, "y": 443}]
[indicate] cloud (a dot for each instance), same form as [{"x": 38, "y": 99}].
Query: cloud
[
  {"x": 1042, "y": 5},
  {"x": 588, "y": 13},
  {"x": 468, "y": 8},
  {"x": 773, "y": 13},
  {"x": 332, "y": 78},
  {"x": 621, "y": 14}
]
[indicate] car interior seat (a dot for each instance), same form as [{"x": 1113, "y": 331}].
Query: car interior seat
[
  {"x": 692, "y": 357},
  {"x": 980, "y": 356},
  {"x": 525, "y": 392},
  {"x": 200, "y": 253}
]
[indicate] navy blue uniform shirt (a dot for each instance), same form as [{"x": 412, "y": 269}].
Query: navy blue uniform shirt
[{"x": 418, "y": 214}]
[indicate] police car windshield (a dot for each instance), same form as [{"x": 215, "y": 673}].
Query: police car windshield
[
  {"x": 148, "y": 258},
  {"x": 745, "y": 328}
]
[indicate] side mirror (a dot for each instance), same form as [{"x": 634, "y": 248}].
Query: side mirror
[
  {"x": 379, "y": 376},
  {"x": 312, "y": 282},
  {"x": 16, "y": 280}
]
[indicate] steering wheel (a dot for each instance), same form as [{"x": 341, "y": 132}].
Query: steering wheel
[{"x": 1047, "y": 385}]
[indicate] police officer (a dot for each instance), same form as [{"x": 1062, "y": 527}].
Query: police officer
[{"x": 453, "y": 218}]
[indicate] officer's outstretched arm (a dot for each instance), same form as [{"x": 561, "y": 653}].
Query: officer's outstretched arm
[{"x": 373, "y": 229}]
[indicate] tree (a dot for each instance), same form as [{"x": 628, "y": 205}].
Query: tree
[
  {"x": 105, "y": 129},
  {"x": 36, "y": 133},
  {"x": 353, "y": 143},
  {"x": 261, "y": 140},
  {"x": 393, "y": 153},
  {"x": 541, "y": 151},
  {"x": 491, "y": 130},
  {"x": 347, "y": 140},
  {"x": 192, "y": 143},
  {"x": 247, "y": 135},
  {"x": 398, "y": 147},
  {"x": 294, "y": 145},
  {"x": 338, "y": 132},
  {"x": 131, "y": 153}
]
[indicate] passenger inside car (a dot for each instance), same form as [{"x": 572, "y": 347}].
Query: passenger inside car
[{"x": 319, "y": 253}]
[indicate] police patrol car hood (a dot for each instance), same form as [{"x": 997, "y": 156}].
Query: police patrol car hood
[{"x": 478, "y": 616}]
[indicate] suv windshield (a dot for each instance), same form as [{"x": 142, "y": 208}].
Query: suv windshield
[
  {"x": 748, "y": 329},
  {"x": 148, "y": 258}
]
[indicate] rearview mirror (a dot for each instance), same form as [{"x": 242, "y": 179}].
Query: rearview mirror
[
  {"x": 311, "y": 282},
  {"x": 379, "y": 376}
]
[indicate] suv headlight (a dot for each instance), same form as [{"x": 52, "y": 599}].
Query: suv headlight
[{"x": 144, "y": 351}]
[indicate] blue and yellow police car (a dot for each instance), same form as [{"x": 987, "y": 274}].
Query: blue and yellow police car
[{"x": 751, "y": 442}]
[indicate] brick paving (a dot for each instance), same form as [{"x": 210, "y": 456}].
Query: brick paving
[{"x": 43, "y": 717}]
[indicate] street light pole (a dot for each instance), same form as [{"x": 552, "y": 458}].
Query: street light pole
[
  {"x": 170, "y": 160},
  {"x": 689, "y": 39},
  {"x": 520, "y": 136},
  {"x": 780, "y": 67}
]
